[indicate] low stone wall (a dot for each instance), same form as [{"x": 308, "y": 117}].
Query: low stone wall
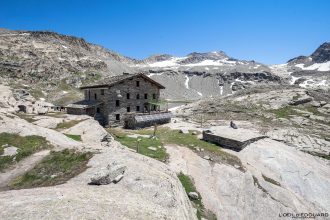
[{"x": 227, "y": 142}]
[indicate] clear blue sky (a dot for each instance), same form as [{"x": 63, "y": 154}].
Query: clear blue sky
[{"x": 268, "y": 31}]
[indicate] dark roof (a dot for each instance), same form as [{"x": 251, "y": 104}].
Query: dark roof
[
  {"x": 84, "y": 104},
  {"x": 109, "y": 81}
]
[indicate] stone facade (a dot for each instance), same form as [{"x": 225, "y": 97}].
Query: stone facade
[{"x": 129, "y": 95}]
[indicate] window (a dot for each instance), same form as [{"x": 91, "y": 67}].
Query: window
[
  {"x": 128, "y": 109},
  {"x": 98, "y": 110},
  {"x": 137, "y": 96},
  {"x": 154, "y": 107},
  {"x": 117, "y": 103},
  {"x": 137, "y": 108},
  {"x": 154, "y": 96},
  {"x": 102, "y": 91},
  {"x": 95, "y": 96},
  {"x": 146, "y": 96},
  {"x": 137, "y": 83},
  {"x": 117, "y": 117},
  {"x": 128, "y": 95},
  {"x": 89, "y": 94}
]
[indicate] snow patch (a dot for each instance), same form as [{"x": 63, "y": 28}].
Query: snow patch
[
  {"x": 186, "y": 83},
  {"x": 316, "y": 66}
]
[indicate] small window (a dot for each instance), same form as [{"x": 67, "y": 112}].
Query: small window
[
  {"x": 146, "y": 96},
  {"x": 102, "y": 91},
  {"x": 89, "y": 94},
  {"x": 128, "y": 109},
  {"x": 154, "y": 96},
  {"x": 137, "y": 83},
  {"x": 117, "y": 103},
  {"x": 117, "y": 117},
  {"x": 154, "y": 107},
  {"x": 95, "y": 96},
  {"x": 137, "y": 108},
  {"x": 137, "y": 96},
  {"x": 128, "y": 95}
]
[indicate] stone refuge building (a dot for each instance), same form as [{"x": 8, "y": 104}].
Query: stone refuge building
[{"x": 122, "y": 98}]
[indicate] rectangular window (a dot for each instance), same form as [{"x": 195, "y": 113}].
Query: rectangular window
[
  {"x": 154, "y": 96},
  {"x": 128, "y": 109},
  {"x": 137, "y": 108},
  {"x": 117, "y": 117},
  {"x": 146, "y": 96},
  {"x": 128, "y": 95},
  {"x": 137, "y": 96},
  {"x": 117, "y": 103},
  {"x": 137, "y": 83},
  {"x": 154, "y": 107},
  {"x": 102, "y": 91},
  {"x": 95, "y": 96}
]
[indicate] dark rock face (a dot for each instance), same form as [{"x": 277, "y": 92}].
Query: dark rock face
[
  {"x": 322, "y": 54},
  {"x": 199, "y": 57}
]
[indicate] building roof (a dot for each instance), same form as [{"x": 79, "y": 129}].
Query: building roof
[
  {"x": 109, "y": 81},
  {"x": 84, "y": 104}
]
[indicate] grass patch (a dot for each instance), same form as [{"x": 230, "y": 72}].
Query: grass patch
[
  {"x": 67, "y": 124},
  {"x": 74, "y": 137},
  {"x": 270, "y": 180},
  {"x": 284, "y": 112},
  {"x": 168, "y": 136},
  {"x": 189, "y": 186},
  {"x": 54, "y": 169},
  {"x": 28, "y": 118},
  {"x": 26, "y": 146},
  {"x": 159, "y": 154}
]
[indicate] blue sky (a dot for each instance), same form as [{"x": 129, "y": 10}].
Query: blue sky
[{"x": 268, "y": 31}]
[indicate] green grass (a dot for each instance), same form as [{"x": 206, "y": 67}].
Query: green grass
[
  {"x": 28, "y": 118},
  {"x": 284, "y": 112},
  {"x": 168, "y": 136},
  {"x": 74, "y": 137},
  {"x": 160, "y": 154},
  {"x": 67, "y": 124},
  {"x": 270, "y": 180},
  {"x": 54, "y": 169},
  {"x": 27, "y": 145},
  {"x": 189, "y": 186}
]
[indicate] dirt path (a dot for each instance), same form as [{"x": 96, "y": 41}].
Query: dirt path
[{"x": 20, "y": 168}]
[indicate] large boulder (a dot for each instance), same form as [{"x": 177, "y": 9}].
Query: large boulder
[{"x": 108, "y": 175}]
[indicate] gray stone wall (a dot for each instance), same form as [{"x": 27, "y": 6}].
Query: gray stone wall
[
  {"x": 109, "y": 110},
  {"x": 229, "y": 143}
]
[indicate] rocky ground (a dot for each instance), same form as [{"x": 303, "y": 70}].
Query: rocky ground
[{"x": 148, "y": 189}]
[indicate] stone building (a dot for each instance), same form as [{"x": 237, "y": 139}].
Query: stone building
[{"x": 111, "y": 100}]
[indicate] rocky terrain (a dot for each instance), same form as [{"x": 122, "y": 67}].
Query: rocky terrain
[
  {"x": 52, "y": 66},
  {"x": 148, "y": 190}
]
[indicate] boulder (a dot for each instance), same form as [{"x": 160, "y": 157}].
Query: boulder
[
  {"x": 110, "y": 174},
  {"x": 9, "y": 150},
  {"x": 152, "y": 148},
  {"x": 193, "y": 195},
  {"x": 184, "y": 131},
  {"x": 301, "y": 101},
  {"x": 315, "y": 104}
]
